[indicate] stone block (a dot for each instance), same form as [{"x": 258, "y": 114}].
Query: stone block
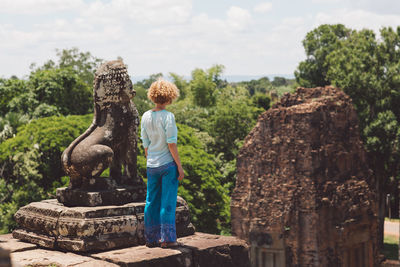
[
  {"x": 113, "y": 196},
  {"x": 142, "y": 256},
  {"x": 200, "y": 250},
  {"x": 14, "y": 245},
  {"x": 43, "y": 257},
  {"x": 214, "y": 250},
  {"x": 50, "y": 224}
]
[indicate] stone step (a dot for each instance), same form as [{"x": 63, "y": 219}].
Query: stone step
[{"x": 199, "y": 250}]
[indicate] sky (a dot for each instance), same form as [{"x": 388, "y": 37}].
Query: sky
[{"x": 248, "y": 37}]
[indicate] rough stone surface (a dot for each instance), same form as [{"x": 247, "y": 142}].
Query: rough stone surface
[
  {"x": 14, "y": 245},
  {"x": 113, "y": 196},
  {"x": 304, "y": 191},
  {"x": 43, "y": 257},
  {"x": 214, "y": 250},
  {"x": 52, "y": 225},
  {"x": 111, "y": 140},
  {"x": 198, "y": 250}
]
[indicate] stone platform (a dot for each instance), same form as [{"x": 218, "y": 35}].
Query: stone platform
[
  {"x": 197, "y": 250},
  {"x": 50, "y": 224}
]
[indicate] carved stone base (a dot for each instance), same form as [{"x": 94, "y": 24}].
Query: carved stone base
[
  {"x": 100, "y": 192},
  {"x": 50, "y": 224}
]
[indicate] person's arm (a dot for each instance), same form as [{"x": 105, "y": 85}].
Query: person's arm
[
  {"x": 145, "y": 152},
  {"x": 173, "y": 148}
]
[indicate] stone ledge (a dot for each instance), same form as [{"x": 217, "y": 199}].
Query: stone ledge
[
  {"x": 200, "y": 250},
  {"x": 197, "y": 250},
  {"x": 14, "y": 245},
  {"x": 44, "y": 257}
]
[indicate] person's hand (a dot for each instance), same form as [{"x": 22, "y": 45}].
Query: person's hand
[{"x": 181, "y": 173}]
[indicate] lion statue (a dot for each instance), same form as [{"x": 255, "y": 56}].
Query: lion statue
[{"x": 111, "y": 139}]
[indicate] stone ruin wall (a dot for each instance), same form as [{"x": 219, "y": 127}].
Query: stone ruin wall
[{"x": 303, "y": 185}]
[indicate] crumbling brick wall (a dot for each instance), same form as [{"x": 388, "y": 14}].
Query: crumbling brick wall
[{"x": 303, "y": 181}]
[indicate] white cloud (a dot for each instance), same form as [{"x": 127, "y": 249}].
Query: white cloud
[
  {"x": 169, "y": 35},
  {"x": 143, "y": 12},
  {"x": 263, "y": 7},
  {"x": 238, "y": 18},
  {"x": 379, "y": 7},
  {"x": 38, "y": 6},
  {"x": 358, "y": 19},
  {"x": 326, "y": 1}
]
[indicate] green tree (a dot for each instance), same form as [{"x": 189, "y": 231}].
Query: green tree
[
  {"x": 204, "y": 84},
  {"x": 233, "y": 118},
  {"x": 84, "y": 64},
  {"x": 145, "y": 83},
  {"x": 279, "y": 81},
  {"x": 10, "y": 88},
  {"x": 50, "y": 136},
  {"x": 63, "y": 89},
  {"x": 318, "y": 44},
  {"x": 261, "y": 100},
  {"x": 181, "y": 83},
  {"x": 10, "y": 123},
  {"x": 141, "y": 101},
  {"x": 262, "y": 85}
]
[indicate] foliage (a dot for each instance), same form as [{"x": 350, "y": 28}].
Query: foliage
[
  {"x": 204, "y": 84},
  {"x": 82, "y": 64},
  {"x": 20, "y": 190},
  {"x": 391, "y": 247},
  {"x": 147, "y": 82},
  {"x": 181, "y": 83},
  {"x": 194, "y": 116},
  {"x": 262, "y": 85},
  {"x": 141, "y": 101},
  {"x": 233, "y": 118},
  {"x": 63, "y": 89},
  {"x": 51, "y": 136},
  {"x": 318, "y": 44},
  {"x": 9, "y": 124},
  {"x": 261, "y": 100},
  {"x": 9, "y": 89},
  {"x": 279, "y": 81}
]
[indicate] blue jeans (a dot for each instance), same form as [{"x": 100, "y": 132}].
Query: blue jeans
[{"x": 159, "y": 212}]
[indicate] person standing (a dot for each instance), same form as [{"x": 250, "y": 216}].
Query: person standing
[{"x": 159, "y": 135}]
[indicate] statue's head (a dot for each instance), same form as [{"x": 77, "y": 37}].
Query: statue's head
[{"x": 112, "y": 84}]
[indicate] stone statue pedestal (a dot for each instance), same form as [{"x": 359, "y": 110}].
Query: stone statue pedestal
[
  {"x": 51, "y": 224},
  {"x": 103, "y": 191}
]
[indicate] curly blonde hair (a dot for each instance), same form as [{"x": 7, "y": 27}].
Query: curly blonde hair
[{"x": 161, "y": 92}]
